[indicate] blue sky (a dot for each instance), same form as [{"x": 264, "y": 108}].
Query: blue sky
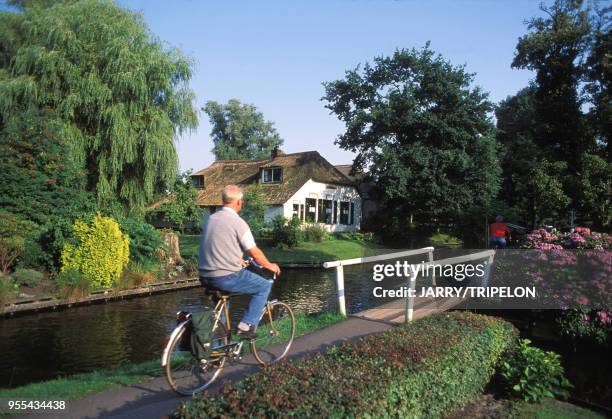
[{"x": 276, "y": 54}]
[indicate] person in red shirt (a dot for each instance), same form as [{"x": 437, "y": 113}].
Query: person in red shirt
[{"x": 498, "y": 233}]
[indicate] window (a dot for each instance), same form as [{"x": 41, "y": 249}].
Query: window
[
  {"x": 335, "y": 210},
  {"x": 325, "y": 211},
  {"x": 271, "y": 174},
  {"x": 198, "y": 181},
  {"x": 352, "y": 214},
  {"x": 344, "y": 213},
  {"x": 298, "y": 211},
  {"x": 311, "y": 209}
]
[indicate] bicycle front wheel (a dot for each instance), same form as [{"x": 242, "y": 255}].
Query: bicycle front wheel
[
  {"x": 187, "y": 374},
  {"x": 275, "y": 333}
]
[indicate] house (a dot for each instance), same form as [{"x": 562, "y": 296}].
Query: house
[
  {"x": 303, "y": 185},
  {"x": 368, "y": 190}
]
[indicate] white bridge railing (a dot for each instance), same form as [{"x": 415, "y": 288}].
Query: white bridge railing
[{"x": 339, "y": 265}]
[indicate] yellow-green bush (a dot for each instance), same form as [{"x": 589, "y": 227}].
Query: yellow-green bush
[{"x": 102, "y": 251}]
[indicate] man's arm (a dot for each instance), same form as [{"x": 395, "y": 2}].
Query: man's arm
[{"x": 261, "y": 259}]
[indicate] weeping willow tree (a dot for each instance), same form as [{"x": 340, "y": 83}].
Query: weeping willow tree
[{"x": 121, "y": 96}]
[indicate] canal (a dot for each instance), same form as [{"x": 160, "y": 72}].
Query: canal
[{"x": 45, "y": 345}]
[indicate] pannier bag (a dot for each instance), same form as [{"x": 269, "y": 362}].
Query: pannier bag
[
  {"x": 185, "y": 343},
  {"x": 201, "y": 333}
]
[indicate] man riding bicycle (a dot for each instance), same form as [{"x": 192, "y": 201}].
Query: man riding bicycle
[{"x": 225, "y": 236}]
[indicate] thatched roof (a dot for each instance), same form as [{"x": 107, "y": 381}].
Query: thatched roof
[{"x": 297, "y": 168}]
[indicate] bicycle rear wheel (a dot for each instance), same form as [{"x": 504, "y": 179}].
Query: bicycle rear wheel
[
  {"x": 188, "y": 375},
  {"x": 275, "y": 333}
]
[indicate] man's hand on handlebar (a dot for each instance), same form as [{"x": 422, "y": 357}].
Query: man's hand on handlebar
[{"x": 274, "y": 268}]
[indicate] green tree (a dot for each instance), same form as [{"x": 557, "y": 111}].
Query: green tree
[
  {"x": 595, "y": 190},
  {"x": 38, "y": 179},
  {"x": 423, "y": 132},
  {"x": 555, "y": 48},
  {"x": 520, "y": 153},
  {"x": 254, "y": 208},
  {"x": 599, "y": 80},
  {"x": 181, "y": 205},
  {"x": 540, "y": 194},
  {"x": 120, "y": 95},
  {"x": 240, "y": 132}
]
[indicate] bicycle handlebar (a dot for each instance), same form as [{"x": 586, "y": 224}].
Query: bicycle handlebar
[{"x": 251, "y": 261}]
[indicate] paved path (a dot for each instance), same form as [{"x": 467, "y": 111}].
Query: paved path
[{"x": 154, "y": 399}]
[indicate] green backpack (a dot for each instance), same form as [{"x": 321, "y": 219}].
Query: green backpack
[{"x": 201, "y": 333}]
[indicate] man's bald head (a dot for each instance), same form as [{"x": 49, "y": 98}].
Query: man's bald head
[{"x": 231, "y": 194}]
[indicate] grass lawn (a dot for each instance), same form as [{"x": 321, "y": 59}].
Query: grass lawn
[
  {"x": 80, "y": 385},
  {"x": 491, "y": 407},
  {"x": 307, "y": 252},
  {"x": 550, "y": 409}
]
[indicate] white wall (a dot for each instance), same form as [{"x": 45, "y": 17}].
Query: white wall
[{"x": 317, "y": 190}]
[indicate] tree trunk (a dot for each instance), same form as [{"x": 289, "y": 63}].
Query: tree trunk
[{"x": 171, "y": 255}]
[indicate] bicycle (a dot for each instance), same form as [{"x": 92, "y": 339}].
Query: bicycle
[{"x": 187, "y": 375}]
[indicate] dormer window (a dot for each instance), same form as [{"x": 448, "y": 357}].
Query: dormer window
[
  {"x": 271, "y": 174},
  {"x": 198, "y": 181}
]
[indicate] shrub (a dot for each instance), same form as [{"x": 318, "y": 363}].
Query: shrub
[
  {"x": 13, "y": 230},
  {"x": 254, "y": 209},
  {"x": 190, "y": 266},
  {"x": 358, "y": 236},
  {"x": 286, "y": 232},
  {"x": 8, "y": 290},
  {"x": 581, "y": 238},
  {"x": 54, "y": 236},
  {"x": 422, "y": 369},
  {"x": 315, "y": 233},
  {"x": 144, "y": 240},
  {"x": 33, "y": 255},
  {"x": 27, "y": 277},
  {"x": 135, "y": 276},
  {"x": 72, "y": 284},
  {"x": 533, "y": 374},
  {"x": 582, "y": 322},
  {"x": 102, "y": 251}
]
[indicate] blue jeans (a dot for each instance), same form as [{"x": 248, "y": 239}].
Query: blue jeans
[
  {"x": 497, "y": 242},
  {"x": 244, "y": 282}
]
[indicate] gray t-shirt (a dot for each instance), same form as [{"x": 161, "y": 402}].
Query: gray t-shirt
[{"x": 225, "y": 236}]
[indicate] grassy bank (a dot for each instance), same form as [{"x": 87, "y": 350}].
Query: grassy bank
[
  {"x": 80, "y": 385},
  {"x": 491, "y": 407},
  {"x": 308, "y": 252}
]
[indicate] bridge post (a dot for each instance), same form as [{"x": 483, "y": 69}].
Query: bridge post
[
  {"x": 433, "y": 276},
  {"x": 340, "y": 289},
  {"x": 409, "y": 299}
]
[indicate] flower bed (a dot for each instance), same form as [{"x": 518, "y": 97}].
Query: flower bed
[
  {"x": 573, "y": 269},
  {"x": 423, "y": 369}
]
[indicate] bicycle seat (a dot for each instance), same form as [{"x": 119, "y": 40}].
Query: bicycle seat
[{"x": 217, "y": 293}]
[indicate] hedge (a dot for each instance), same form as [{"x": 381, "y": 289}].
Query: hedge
[{"x": 423, "y": 369}]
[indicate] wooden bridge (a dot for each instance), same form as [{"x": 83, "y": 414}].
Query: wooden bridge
[{"x": 410, "y": 308}]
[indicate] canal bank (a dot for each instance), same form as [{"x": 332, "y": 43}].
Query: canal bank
[{"x": 50, "y": 303}]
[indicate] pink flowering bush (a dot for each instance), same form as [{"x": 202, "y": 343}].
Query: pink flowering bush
[
  {"x": 581, "y": 238},
  {"x": 582, "y": 322},
  {"x": 575, "y": 271}
]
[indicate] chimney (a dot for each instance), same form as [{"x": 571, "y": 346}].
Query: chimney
[{"x": 277, "y": 152}]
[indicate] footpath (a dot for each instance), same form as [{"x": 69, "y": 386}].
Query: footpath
[{"x": 154, "y": 399}]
